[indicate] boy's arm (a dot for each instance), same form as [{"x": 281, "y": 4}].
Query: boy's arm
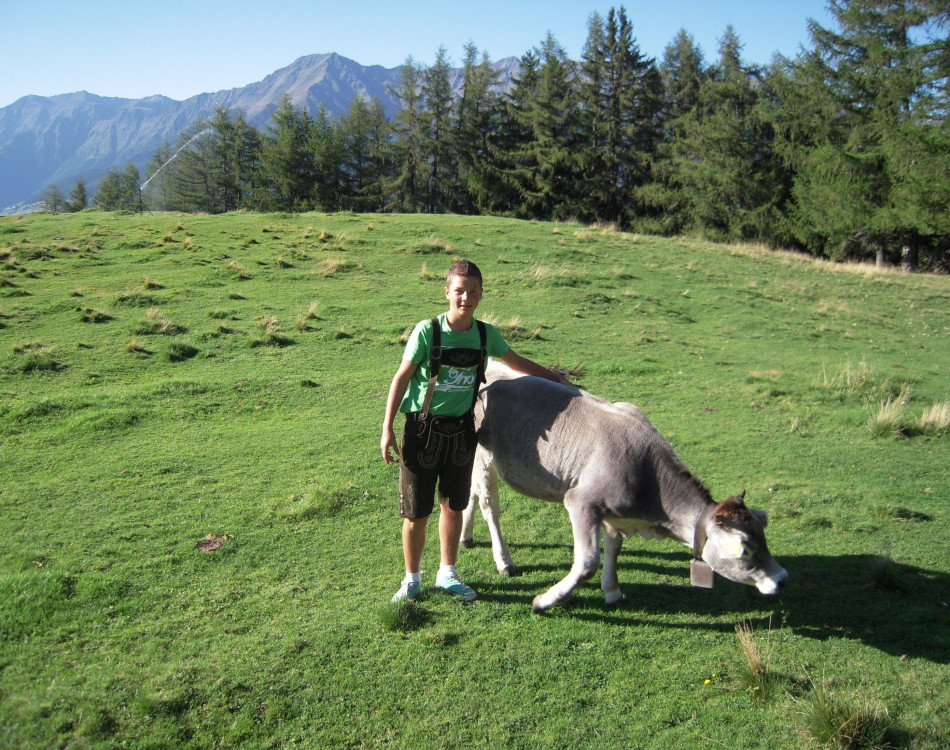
[
  {"x": 522, "y": 364},
  {"x": 396, "y": 391}
]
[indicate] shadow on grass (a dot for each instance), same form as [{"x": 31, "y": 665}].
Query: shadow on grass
[{"x": 899, "y": 609}]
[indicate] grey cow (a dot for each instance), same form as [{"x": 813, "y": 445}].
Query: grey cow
[{"x": 612, "y": 468}]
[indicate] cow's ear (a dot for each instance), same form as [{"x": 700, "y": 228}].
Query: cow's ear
[
  {"x": 740, "y": 498},
  {"x": 762, "y": 517}
]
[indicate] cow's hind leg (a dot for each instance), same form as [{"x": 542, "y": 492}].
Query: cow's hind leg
[
  {"x": 585, "y": 524},
  {"x": 613, "y": 541},
  {"x": 484, "y": 493}
]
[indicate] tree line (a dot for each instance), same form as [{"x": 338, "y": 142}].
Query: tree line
[{"x": 843, "y": 152}]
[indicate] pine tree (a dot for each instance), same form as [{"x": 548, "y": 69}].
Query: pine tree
[
  {"x": 621, "y": 94},
  {"x": 78, "y": 197},
  {"x": 720, "y": 155},
  {"x": 438, "y": 98},
  {"x": 235, "y": 158},
  {"x": 154, "y": 188},
  {"x": 327, "y": 146},
  {"x": 119, "y": 190},
  {"x": 864, "y": 127},
  {"x": 408, "y": 185},
  {"x": 288, "y": 173},
  {"x": 365, "y": 152},
  {"x": 53, "y": 199},
  {"x": 186, "y": 180},
  {"x": 478, "y": 126},
  {"x": 543, "y": 163},
  {"x": 684, "y": 76}
]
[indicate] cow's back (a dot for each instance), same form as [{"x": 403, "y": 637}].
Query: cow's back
[{"x": 546, "y": 438}]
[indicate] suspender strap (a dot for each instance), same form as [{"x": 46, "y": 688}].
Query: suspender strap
[
  {"x": 435, "y": 359},
  {"x": 482, "y": 337}
]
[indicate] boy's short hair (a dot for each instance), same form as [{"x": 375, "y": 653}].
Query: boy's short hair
[{"x": 465, "y": 269}]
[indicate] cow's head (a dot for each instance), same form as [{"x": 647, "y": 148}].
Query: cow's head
[{"x": 735, "y": 546}]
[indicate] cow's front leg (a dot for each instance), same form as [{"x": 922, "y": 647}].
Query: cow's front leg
[
  {"x": 484, "y": 493},
  {"x": 613, "y": 541},
  {"x": 585, "y": 524}
]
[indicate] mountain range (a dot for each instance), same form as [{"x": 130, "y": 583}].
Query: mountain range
[{"x": 47, "y": 140}]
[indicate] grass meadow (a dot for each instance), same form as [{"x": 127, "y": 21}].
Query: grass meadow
[{"x": 200, "y": 538}]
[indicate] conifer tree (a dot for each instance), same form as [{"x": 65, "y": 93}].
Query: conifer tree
[
  {"x": 155, "y": 185},
  {"x": 477, "y": 127},
  {"x": 408, "y": 185},
  {"x": 287, "y": 166},
  {"x": 438, "y": 98},
  {"x": 327, "y": 146},
  {"x": 543, "y": 161},
  {"x": 864, "y": 126},
  {"x": 235, "y": 148},
  {"x": 78, "y": 197},
  {"x": 364, "y": 148},
  {"x": 119, "y": 189},
  {"x": 684, "y": 76},
  {"x": 721, "y": 165},
  {"x": 53, "y": 199},
  {"x": 621, "y": 95}
]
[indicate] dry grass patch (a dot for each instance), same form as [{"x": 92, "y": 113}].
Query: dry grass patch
[
  {"x": 334, "y": 265},
  {"x": 540, "y": 274},
  {"x": 754, "y": 674},
  {"x": 155, "y": 322},
  {"x": 433, "y": 245},
  {"x": 829, "y": 719},
  {"x": 935, "y": 420}
]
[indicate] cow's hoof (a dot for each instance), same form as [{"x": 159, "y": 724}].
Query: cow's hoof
[
  {"x": 468, "y": 543},
  {"x": 616, "y": 603},
  {"x": 538, "y": 604},
  {"x": 510, "y": 571}
]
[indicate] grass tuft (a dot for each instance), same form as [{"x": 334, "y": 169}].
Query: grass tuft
[
  {"x": 935, "y": 420},
  {"x": 889, "y": 420},
  {"x": 859, "y": 382},
  {"x": 754, "y": 673},
  {"x": 179, "y": 352},
  {"x": 37, "y": 357},
  {"x": 333, "y": 265},
  {"x": 886, "y": 574},
  {"x": 155, "y": 322},
  {"x": 434, "y": 245},
  {"x": 92, "y": 315},
  {"x": 403, "y": 616},
  {"x": 830, "y": 720}
]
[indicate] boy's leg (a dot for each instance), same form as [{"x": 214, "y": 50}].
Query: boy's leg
[
  {"x": 450, "y": 532},
  {"x": 414, "y": 542},
  {"x": 416, "y": 498},
  {"x": 454, "y": 485},
  {"x": 413, "y": 545}
]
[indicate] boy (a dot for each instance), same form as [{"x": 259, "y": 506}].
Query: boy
[{"x": 439, "y": 440}]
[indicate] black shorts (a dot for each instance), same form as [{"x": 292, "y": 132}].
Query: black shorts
[{"x": 439, "y": 451}]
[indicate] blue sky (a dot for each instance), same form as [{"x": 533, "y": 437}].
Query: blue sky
[{"x": 180, "y": 49}]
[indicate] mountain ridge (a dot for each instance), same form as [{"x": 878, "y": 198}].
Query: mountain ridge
[{"x": 59, "y": 139}]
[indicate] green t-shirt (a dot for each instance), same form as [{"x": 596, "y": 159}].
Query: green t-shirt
[{"x": 453, "y": 389}]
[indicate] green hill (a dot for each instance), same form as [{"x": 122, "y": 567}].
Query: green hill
[{"x": 168, "y": 377}]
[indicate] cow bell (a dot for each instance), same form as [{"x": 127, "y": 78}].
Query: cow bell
[{"x": 701, "y": 575}]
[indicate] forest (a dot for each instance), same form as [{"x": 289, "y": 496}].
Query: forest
[{"x": 842, "y": 152}]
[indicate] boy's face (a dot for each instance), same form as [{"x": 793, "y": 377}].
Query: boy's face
[{"x": 463, "y": 293}]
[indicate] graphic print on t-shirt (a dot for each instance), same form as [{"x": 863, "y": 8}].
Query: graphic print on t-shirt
[{"x": 458, "y": 370}]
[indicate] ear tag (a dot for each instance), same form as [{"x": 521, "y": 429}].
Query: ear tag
[
  {"x": 701, "y": 575},
  {"x": 732, "y": 547}
]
